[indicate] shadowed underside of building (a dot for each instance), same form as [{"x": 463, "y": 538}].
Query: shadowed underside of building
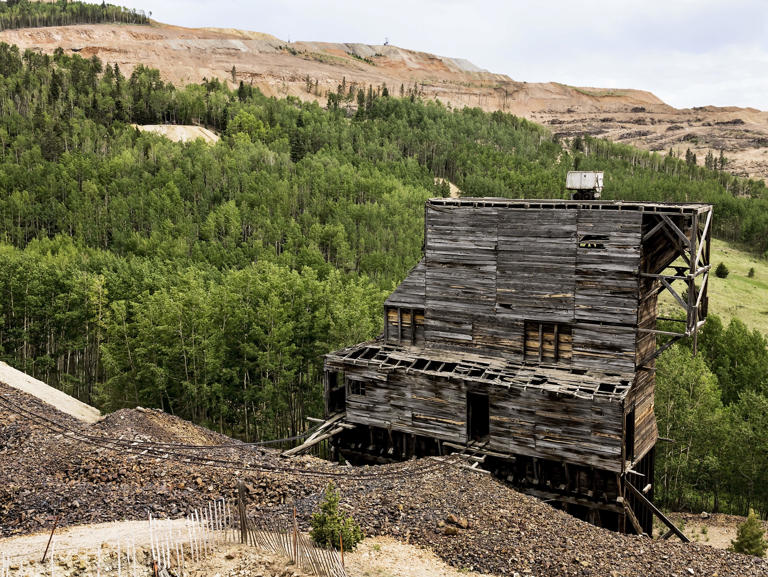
[{"x": 526, "y": 338}]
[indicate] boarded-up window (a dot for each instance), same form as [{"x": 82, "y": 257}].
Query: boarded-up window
[
  {"x": 548, "y": 342},
  {"x": 405, "y": 325}
]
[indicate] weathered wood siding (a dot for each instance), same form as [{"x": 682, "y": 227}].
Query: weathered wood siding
[
  {"x": 415, "y": 403},
  {"x": 410, "y": 292},
  {"x": 488, "y": 270},
  {"x": 527, "y": 422},
  {"x": 460, "y": 277},
  {"x": 536, "y": 264},
  {"x": 656, "y": 254},
  {"x": 641, "y": 397},
  {"x": 543, "y": 424}
]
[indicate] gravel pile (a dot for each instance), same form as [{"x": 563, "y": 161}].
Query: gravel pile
[{"x": 470, "y": 520}]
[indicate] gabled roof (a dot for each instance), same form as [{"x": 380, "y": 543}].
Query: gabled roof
[{"x": 577, "y": 383}]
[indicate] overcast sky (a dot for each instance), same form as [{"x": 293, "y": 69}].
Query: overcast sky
[{"x": 687, "y": 52}]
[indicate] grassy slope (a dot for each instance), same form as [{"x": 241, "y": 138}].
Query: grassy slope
[{"x": 737, "y": 295}]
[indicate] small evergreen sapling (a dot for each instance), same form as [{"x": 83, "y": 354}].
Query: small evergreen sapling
[
  {"x": 329, "y": 523},
  {"x": 749, "y": 537},
  {"x": 721, "y": 271}
]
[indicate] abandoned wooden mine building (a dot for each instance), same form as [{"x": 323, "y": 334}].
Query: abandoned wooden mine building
[{"x": 526, "y": 338}]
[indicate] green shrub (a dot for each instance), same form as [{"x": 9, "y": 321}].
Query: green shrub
[
  {"x": 749, "y": 538},
  {"x": 329, "y": 523},
  {"x": 721, "y": 271}
]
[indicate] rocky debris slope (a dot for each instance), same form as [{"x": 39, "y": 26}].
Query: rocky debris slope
[
  {"x": 468, "y": 519},
  {"x": 44, "y": 470}
]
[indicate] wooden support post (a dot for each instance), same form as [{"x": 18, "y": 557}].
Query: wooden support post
[
  {"x": 632, "y": 517},
  {"x": 55, "y": 522},
  {"x": 637, "y": 493},
  {"x": 241, "y": 511},
  {"x": 541, "y": 341}
]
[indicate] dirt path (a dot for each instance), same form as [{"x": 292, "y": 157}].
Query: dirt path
[
  {"x": 374, "y": 557},
  {"x": 386, "y": 557},
  {"x": 716, "y": 530},
  {"x": 84, "y": 537},
  {"x": 62, "y": 401}
]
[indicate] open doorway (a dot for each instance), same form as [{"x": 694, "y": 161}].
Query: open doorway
[
  {"x": 478, "y": 413},
  {"x": 335, "y": 393}
]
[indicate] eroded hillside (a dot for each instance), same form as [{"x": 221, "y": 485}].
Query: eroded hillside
[{"x": 309, "y": 70}]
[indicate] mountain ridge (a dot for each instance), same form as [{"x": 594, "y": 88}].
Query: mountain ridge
[{"x": 309, "y": 70}]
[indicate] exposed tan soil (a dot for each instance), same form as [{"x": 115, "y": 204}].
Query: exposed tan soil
[
  {"x": 386, "y": 557},
  {"x": 308, "y": 70},
  {"x": 180, "y": 133},
  {"x": 716, "y": 530},
  {"x": 63, "y": 402},
  {"x": 374, "y": 557}
]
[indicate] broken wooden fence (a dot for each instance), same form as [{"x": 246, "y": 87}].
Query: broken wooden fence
[{"x": 285, "y": 539}]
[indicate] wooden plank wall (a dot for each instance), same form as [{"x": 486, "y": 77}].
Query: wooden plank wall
[
  {"x": 413, "y": 403},
  {"x": 544, "y": 424},
  {"x": 460, "y": 278},
  {"x": 656, "y": 253},
  {"x": 642, "y": 399},
  {"x": 488, "y": 270},
  {"x": 527, "y": 422},
  {"x": 536, "y": 264},
  {"x": 607, "y": 290},
  {"x": 410, "y": 292}
]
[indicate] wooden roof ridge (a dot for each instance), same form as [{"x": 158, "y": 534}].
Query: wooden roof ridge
[{"x": 577, "y": 383}]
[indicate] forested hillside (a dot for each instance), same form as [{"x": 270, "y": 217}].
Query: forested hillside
[
  {"x": 27, "y": 14},
  {"x": 209, "y": 279}
]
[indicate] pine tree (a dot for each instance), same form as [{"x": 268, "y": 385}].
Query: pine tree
[
  {"x": 722, "y": 270},
  {"x": 330, "y": 527},
  {"x": 749, "y": 537}
]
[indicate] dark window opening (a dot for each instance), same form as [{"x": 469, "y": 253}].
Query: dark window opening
[
  {"x": 629, "y": 436},
  {"x": 547, "y": 342},
  {"x": 369, "y": 353},
  {"x": 593, "y": 241},
  {"x": 478, "y": 417},
  {"x": 335, "y": 400},
  {"x": 606, "y": 388},
  {"x": 420, "y": 364},
  {"x": 356, "y": 388}
]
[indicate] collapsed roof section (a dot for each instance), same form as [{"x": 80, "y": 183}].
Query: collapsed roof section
[{"x": 385, "y": 358}]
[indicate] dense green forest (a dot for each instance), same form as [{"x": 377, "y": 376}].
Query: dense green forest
[
  {"x": 209, "y": 279},
  {"x": 712, "y": 412},
  {"x": 27, "y": 14}
]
